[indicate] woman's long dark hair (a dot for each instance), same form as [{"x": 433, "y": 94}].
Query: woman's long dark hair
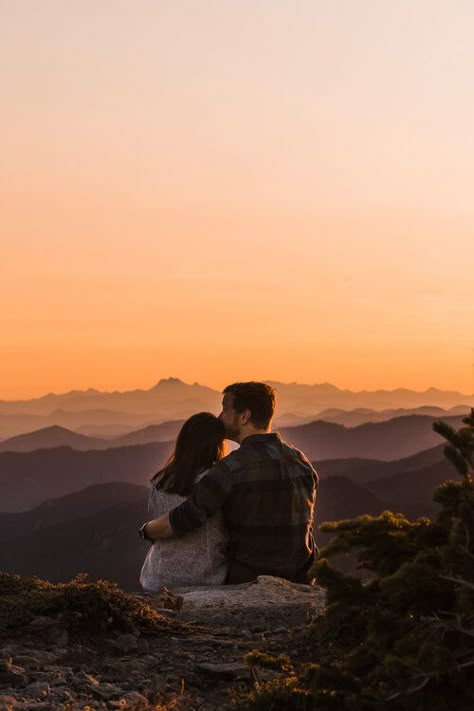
[{"x": 200, "y": 443}]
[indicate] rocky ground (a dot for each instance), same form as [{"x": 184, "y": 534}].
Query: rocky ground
[{"x": 196, "y": 662}]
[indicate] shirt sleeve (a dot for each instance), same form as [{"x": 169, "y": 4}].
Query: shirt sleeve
[
  {"x": 207, "y": 497},
  {"x": 304, "y": 459}
]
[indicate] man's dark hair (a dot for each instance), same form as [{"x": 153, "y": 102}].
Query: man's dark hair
[{"x": 259, "y": 398}]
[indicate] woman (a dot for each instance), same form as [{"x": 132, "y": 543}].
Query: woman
[{"x": 199, "y": 558}]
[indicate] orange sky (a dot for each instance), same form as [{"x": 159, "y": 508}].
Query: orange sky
[{"x": 221, "y": 191}]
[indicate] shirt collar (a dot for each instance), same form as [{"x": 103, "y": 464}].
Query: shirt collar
[{"x": 264, "y": 438}]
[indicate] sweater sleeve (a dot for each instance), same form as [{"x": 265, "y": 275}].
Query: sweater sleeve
[{"x": 207, "y": 497}]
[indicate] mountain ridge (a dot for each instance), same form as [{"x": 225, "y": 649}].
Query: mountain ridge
[
  {"x": 385, "y": 440},
  {"x": 296, "y": 392},
  {"x": 39, "y": 439},
  {"x": 402, "y": 437}
]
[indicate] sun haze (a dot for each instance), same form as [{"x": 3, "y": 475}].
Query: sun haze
[{"x": 225, "y": 190}]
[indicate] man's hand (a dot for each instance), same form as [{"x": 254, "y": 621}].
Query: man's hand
[{"x": 159, "y": 528}]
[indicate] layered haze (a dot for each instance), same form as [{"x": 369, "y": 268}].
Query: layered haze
[{"x": 107, "y": 414}]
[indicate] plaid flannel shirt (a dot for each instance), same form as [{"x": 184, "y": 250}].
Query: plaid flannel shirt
[{"x": 267, "y": 492}]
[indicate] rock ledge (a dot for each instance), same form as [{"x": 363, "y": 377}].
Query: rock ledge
[{"x": 266, "y": 603}]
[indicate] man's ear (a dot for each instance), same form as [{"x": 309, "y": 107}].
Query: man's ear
[{"x": 245, "y": 417}]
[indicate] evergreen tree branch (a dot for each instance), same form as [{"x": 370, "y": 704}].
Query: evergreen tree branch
[{"x": 459, "y": 581}]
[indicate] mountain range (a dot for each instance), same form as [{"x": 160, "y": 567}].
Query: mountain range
[
  {"x": 386, "y": 440},
  {"x": 105, "y": 414},
  {"x": 27, "y": 479},
  {"x": 94, "y": 529},
  {"x": 363, "y": 415},
  {"x": 394, "y": 439},
  {"x": 171, "y": 395},
  {"x": 66, "y": 511},
  {"x": 301, "y": 399},
  {"x": 405, "y": 485},
  {"x": 72, "y": 497},
  {"x": 51, "y": 437},
  {"x": 367, "y": 452}
]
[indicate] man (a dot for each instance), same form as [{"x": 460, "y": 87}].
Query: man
[{"x": 266, "y": 489}]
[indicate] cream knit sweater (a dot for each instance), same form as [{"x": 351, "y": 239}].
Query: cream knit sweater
[{"x": 198, "y": 558}]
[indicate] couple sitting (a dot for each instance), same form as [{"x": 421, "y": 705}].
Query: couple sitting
[{"x": 227, "y": 519}]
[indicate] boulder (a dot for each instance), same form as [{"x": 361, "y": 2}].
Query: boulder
[{"x": 266, "y": 603}]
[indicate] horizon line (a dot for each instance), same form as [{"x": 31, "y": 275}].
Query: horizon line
[{"x": 172, "y": 379}]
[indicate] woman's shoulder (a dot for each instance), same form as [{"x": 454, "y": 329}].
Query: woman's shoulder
[{"x": 162, "y": 501}]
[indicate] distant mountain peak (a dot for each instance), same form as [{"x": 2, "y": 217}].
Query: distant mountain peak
[
  {"x": 167, "y": 382},
  {"x": 48, "y": 430},
  {"x": 54, "y": 428},
  {"x": 50, "y": 437}
]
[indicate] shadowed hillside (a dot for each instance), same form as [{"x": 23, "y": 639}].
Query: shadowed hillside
[
  {"x": 29, "y": 478},
  {"x": 390, "y": 440},
  {"x": 409, "y": 491},
  {"x": 340, "y": 498},
  {"x": 95, "y": 530},
  {"x": 95, "y": 423},
  {"x": 84, "y": 530},
  {"x": 104, "y": 544},
  {"x": 88, "y": 502},
  {"x": 404, "y": 485},
  {"x": 50, "y": 437},
  {"x": 364, "y": 470},
  {"x": 360, "y": 416},
  {"x": 163, "y": 432}
]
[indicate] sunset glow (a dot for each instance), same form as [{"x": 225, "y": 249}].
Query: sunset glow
[{"x": 223, "y": 190}]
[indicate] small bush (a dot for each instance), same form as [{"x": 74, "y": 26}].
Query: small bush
[{"x": 85, "y": 609}]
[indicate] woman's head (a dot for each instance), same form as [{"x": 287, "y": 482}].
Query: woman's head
[{"x": 200, "y": 443}]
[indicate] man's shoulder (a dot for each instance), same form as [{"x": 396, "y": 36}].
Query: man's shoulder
[
  {"x": 294, "y": 451},
  {"x": 298, "y": 454}
]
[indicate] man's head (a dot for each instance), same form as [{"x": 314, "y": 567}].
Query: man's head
[{"x": 247, "y": 408}]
